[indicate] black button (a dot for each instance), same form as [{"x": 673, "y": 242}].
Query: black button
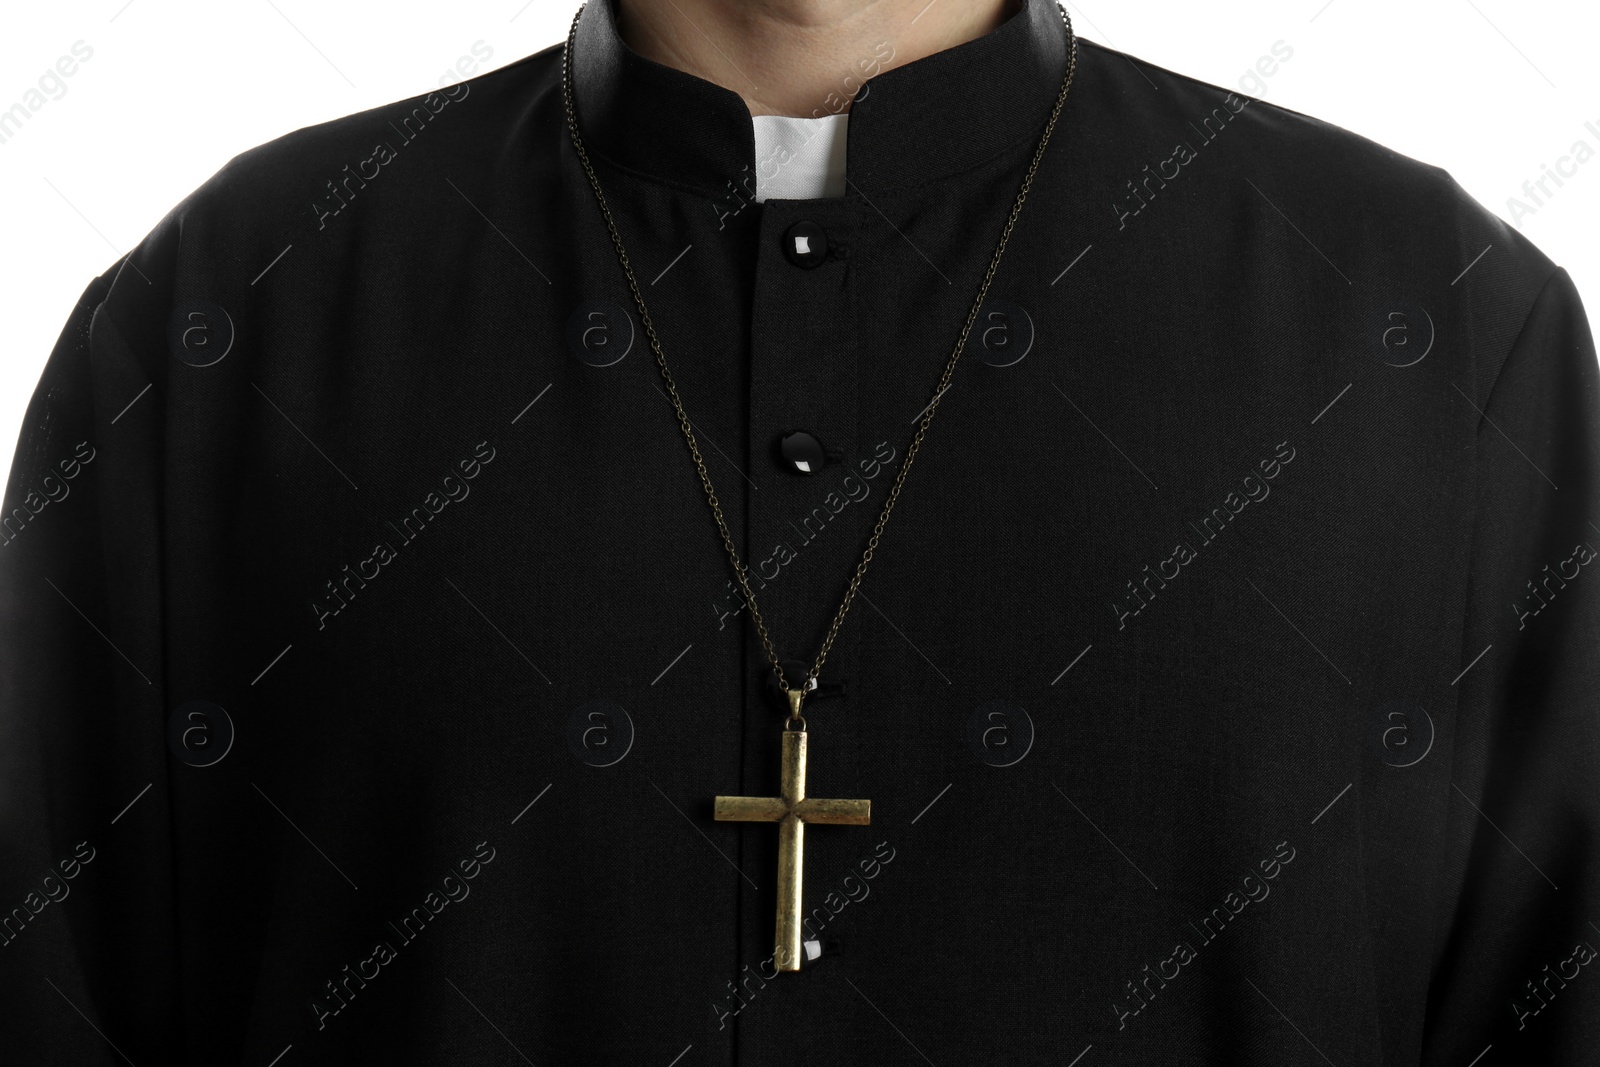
[
  {"x": 794, "y": 672},
  {"x": 801, "y": 452},
  {"x": 806, "y": 244},
  {"x": 816, "y": 948}
]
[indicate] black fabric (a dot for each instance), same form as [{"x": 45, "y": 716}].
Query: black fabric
[{"x": 1223, "y": 684}]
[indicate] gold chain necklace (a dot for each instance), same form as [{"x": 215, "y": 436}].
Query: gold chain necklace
[{"x": 792, "y": 809}]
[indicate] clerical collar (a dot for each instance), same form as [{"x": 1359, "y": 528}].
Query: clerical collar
[
  {"x": 919, "y": 122},
  {"x": 800, "y": 158}
]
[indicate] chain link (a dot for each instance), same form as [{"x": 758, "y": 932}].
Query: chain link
[{"x": 922, "y": 428}]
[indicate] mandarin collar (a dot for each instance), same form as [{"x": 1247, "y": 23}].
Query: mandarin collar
[{"x": 922, "y": 121}]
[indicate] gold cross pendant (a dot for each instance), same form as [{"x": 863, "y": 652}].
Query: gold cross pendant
[{"x": 791, "y": 811}]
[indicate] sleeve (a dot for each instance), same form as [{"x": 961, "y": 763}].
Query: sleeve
[
  {"x": 1515, "y": 967},
  {"x": 87, "y": 900}
]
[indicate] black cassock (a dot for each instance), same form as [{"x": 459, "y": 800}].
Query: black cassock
[{"x": 1223, "y": 684}]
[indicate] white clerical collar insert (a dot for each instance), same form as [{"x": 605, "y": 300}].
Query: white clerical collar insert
[{"x": 799, "y": 158}]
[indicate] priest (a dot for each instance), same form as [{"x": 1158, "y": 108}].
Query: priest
[{"x": 807, "y": 533}]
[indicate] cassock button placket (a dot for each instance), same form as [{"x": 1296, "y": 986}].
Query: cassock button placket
[
  {"x": 806, "y": 244},
  {"x": 802, "y": 452}
]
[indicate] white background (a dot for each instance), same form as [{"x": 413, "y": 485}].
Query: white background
[{"x": 1491, "y": 90}]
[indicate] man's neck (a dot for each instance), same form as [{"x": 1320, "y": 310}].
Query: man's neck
[{"x": 800, "y": 57}]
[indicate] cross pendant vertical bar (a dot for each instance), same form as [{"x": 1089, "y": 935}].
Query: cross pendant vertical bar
[{"x": 791, "y": 810}]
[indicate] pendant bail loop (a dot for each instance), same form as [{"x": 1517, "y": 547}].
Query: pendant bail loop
[{"x": 795, "y": 698}]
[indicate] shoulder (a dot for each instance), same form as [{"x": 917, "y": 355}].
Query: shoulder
[
  {"x": 471, "y": 116},
  {"x": 1300, "y": 196},
  {"x": 1250, "y": 147},
  {"x": 1172, "y": 102},
  {"x": 337, "y": 183}
]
